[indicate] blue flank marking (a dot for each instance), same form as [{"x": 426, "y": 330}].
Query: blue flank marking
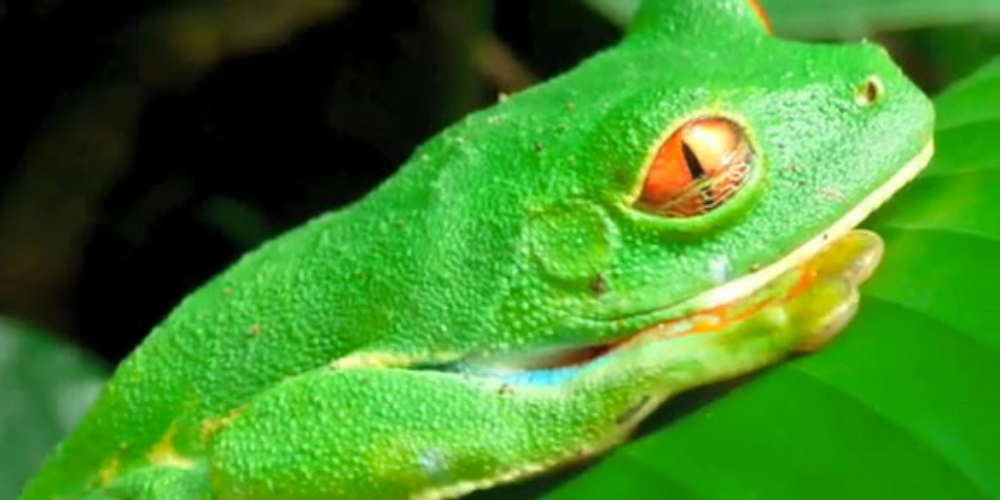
[
  {"x": 546, "y": 377},
  {"x": 550, "y": 376}
]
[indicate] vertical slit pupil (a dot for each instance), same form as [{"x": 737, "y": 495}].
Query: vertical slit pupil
[{"x": 691, "y": 160}]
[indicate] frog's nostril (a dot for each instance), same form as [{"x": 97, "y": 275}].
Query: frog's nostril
[{"x": 870, "y": 91}]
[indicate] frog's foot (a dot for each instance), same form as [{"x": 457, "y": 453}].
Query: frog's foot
[
  {"x": 820, "y": 297},
  {"x": 831, "y": 301}
]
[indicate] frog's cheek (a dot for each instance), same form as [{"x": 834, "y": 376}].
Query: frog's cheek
[{"x": 572, "y": 242}]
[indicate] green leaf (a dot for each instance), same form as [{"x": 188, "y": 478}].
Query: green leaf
[
  {"x": 904, "y": 404},
  {"x": 45, "y": 388},
  {"x": 856, "y": 18},
  {"x": 843, "y": 18},
  {"x": 971, "y": 100}
]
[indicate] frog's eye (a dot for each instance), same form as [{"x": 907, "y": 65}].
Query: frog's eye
[{"x": 697, "y": 169}]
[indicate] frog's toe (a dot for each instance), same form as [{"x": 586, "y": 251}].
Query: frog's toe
[{"x": 823, "y": 312}]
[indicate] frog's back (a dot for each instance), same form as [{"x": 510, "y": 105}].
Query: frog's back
[{"x": 313, "y": 295}]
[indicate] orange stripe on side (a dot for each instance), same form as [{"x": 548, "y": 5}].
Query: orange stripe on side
[{"x": 762, "y": 15}]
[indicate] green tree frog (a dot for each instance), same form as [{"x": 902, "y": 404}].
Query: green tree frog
[{"x": 675, "y": 211}]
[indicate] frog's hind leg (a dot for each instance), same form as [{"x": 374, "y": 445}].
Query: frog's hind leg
[
  {"x": 432, "y": 433},
  {"x": 390, "y": 434}
]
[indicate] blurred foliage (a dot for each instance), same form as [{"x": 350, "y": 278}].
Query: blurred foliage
[
  {"x": 45, "y": 388},
  {"x": 936, "y": 41},
  {"x": 844, "y": 18},
  {"x": 191, "y": 111},
  {"x": 858, "y": 18},
  {"x": 145, "y": 145},
  {"x": 90, "y": 142}
]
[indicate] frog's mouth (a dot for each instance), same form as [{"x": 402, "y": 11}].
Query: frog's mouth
[{"x": 820, "y": 277}]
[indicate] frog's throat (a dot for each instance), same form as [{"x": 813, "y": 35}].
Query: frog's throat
[{"x": 745, "y": 285}]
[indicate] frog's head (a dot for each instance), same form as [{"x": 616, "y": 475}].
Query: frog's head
[
  {"x": 685, "y": 171},
  {"x": 692, "y": 175}
]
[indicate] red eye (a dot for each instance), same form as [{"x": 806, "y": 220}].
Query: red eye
[{"x": 699, "y": 168}]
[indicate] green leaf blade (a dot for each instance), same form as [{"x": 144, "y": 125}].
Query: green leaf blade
[{"x": 971, "y": 100}]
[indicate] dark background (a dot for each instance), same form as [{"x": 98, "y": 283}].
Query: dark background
[{"x": 133, "y": 166}]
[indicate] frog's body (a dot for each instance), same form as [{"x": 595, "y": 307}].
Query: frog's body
[{"x": 463, "y": 325}]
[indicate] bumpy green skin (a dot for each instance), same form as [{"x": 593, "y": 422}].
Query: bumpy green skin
[{"x": 300, "y": 373}]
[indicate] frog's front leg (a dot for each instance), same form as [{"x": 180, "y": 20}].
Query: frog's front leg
[{"x": 367, "y": 433}]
